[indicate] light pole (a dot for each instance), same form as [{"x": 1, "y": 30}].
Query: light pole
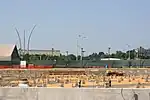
[
  {"x": 79, "y": 46},
  {"x": 129, "y": 51},
  {"x": 67, "y": 55},
  {"x": 24, "y": 43},
  {"x": 137, "y": 53},
  {"x": 82, "y": 55},
  {"x": 109, "y": 51},
  {"x": 67, "y": 59},
  {"x": 52, "y": 52}
]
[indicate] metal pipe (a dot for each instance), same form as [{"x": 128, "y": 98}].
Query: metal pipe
[
  {"x": 24, "y": 43},
  {"x": 19, "y": 40},
  {"x": 30, "y": 38}
]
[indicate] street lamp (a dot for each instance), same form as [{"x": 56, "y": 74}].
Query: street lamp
[
  {"x": 79, "y": 46},
  {"x": 82, "y": 55},
  {"x": 109, "y": 51},
  {"x": 24, "y": 43},
  {"x": 137, "y": 53},
  {"x": 67, "y": 59},
  {"x": 67, "y": 53},
  {"x": 129, "y": 51}
]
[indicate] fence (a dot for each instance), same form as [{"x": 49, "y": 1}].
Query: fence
[{"x": 86, "y": 63}]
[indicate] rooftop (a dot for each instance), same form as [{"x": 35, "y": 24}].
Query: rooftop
[
  {"x": 35, "y": 50},
  {"x": 6, "y": 50},
  {"x": 110, "y": 59}
]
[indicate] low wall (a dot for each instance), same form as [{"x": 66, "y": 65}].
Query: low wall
[{"x": 72, "y": 94}]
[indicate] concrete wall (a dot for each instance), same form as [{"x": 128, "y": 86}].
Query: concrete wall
[{"x": 72, "y": 94}]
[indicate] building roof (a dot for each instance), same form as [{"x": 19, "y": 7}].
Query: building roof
[
  {"x": 110, "y": 59},
  {"x": 45, "y": 50},
  {"x": 34, "y": 50},
  {"x": 6, "y": 50}
]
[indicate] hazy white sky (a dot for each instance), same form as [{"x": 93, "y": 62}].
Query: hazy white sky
[{"x": 105, "y": 23}]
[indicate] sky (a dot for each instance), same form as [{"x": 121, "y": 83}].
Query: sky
[{"x": 104, "y": 23}]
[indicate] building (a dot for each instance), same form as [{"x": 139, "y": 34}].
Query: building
[
  {"x": 9, "y": 55},
  {"x": 45, "y": 52},
  {"x": 143, "y": 52},
  {"x": 110, "y": 59}
]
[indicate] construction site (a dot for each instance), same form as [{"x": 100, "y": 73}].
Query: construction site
[
  {"x": 74, "y": 78},
  {"x": 120, "y": 79},
  {"x": 75, "y": 84},
  {"x": 40, "y": 75}
]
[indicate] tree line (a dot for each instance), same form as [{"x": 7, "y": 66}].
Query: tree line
[{"x": 132, "y": 54}]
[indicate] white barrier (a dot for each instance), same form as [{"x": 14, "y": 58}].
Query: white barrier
[{"x": 72, "y": 94}]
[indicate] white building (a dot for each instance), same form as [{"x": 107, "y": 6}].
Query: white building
[
  {"x": 110, "y": 59},
  {"x": 45, "y": 52}
]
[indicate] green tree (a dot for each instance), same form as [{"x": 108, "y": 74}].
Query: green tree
[
  {"x": 44, "y": 57},
  {"x": 95, "y": 56},
  {"x": 119, "y": 54},
  {"x": 26, "y": 57},
  {"x": 62, "y": 57},
  {"x": 71, "y": 57},
  {"x": 132, "y": 54},
  {"x": 101, "y": 54},
  {"x": 113, "y": 55}
]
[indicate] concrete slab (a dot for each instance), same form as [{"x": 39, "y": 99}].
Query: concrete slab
[{"x": 72, "y": 94}]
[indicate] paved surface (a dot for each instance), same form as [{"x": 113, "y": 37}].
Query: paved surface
[{"x": 72, "y": 94}]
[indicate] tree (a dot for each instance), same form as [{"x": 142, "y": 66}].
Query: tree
[
  {"x": 132, "y": 54},
  {"x": 44, "y": 57},
  {"x": 37, "y": 56},
  {"x": 71, "y": 57},
  {"x": 79, "y": 57},
  {"x": 101, "y": 54},
  {"x": 96, "y": 56},
  {"x": 113, "y": 55},
  {"x": 120, "y": 54},
  {"x": 26, "y": 57},
  {"x": 62, "y": 57}
]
